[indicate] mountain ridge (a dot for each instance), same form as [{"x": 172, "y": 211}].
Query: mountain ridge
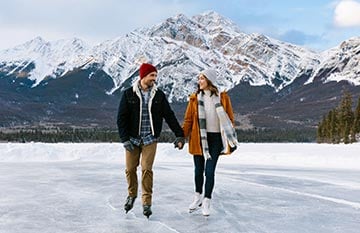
[{"x": 269, "y": 70}]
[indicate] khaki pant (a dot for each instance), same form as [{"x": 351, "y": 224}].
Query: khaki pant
[{"x": 132, "y": 162}]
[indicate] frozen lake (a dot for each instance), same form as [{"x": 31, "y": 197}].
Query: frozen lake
[{"x": 261, "y": 188}]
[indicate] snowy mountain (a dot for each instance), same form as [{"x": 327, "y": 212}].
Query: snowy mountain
[
  {"x": 181, "y": 47},
  {"x": 340, "y": 63},
  {"x": 49, "y": 59},
  {"x": 68, "y": 72}
]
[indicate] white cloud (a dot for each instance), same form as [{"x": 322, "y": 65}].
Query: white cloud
[
  {"x": 92, "y": 21},
  {"x": 347, "y": 14}
]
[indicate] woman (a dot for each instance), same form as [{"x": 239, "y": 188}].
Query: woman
[{"x": 208, "y": 123}]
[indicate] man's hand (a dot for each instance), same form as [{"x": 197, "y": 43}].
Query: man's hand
[
  {"x": 128, "y": 146},
  {"x": 179, "y": 142}
]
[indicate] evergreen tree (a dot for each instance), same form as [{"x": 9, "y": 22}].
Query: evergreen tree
[
  {"x": 356, "y": 126},
  {"x": 327, "y": 128},
  {"x": 346, "y": 117},
  {"x": 320, "y": 132},
  {"x": 341, "y": 124},
  {"x": 334, "y": 135}
]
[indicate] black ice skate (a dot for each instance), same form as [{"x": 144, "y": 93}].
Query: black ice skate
[
  {"x": 147, "y": 210},
  {"x": 129, "y": 203}
]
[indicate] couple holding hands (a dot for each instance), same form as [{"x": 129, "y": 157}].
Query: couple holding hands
[{"x": 208, "y": 125}]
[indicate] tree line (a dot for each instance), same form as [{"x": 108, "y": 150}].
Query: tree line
[
  {"x": 60, "y": 135},
  {"x": 341, "y": 124},
  {"x": 54, "y": 135}
]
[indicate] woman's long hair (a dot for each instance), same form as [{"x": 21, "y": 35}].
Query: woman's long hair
[{"x": 212, "y": 88}]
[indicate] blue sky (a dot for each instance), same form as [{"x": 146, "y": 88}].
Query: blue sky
[{"x": 315, "y": 24}]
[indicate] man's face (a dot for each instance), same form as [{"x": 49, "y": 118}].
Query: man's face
[{"x": 149, "y": 80}]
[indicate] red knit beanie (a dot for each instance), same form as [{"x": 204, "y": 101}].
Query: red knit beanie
[{"x": 146, "y": 69}]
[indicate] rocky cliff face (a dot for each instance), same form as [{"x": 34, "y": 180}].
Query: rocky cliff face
[{"x": 43, "y": 81}]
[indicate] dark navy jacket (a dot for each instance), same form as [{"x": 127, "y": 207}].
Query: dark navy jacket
[{"x": 129, "y": 114}]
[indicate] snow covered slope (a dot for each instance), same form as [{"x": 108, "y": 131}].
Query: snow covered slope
[{"x": 181, "y": 47}]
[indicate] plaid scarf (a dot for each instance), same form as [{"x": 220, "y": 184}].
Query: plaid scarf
[{"x": 228, "y": 133}]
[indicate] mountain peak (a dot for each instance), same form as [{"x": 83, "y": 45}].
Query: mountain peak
[
  {"x": 180, "y": 16},
  {"x": 37, "y": 39},
  {"x": 36, "y": 44},
  {"x": 213, "y": 20},
  {"x": 181, "y": 47},
  {"x": 350, "y": 44},
  {"x": 212, "y": 14},
  {"x": 24, "y": 51}
]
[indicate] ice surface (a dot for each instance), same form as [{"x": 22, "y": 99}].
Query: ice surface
[{"x": 58, "y": 188}]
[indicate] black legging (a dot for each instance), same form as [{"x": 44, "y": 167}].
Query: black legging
[{"x": 215, "y": 147}]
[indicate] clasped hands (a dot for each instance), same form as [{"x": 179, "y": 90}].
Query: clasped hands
[{"x": 178, "y": 143}]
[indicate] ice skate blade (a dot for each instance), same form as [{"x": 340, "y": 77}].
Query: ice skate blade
[{"x": 193, "y": 210}]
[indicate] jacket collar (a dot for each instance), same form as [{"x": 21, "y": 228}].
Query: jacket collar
[
  {"x": 136, "y": 89},
  {"x": 136, "y": 86}
]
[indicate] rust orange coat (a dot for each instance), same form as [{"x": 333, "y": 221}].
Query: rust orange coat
[{"x": 191, "y": 121}]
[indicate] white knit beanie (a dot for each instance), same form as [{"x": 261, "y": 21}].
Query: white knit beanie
[{"x": 210, "y": 74}]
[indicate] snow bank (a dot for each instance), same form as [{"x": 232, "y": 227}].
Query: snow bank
[{"x": 266, "y": 154}]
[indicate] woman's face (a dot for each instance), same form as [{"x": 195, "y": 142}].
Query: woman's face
[{"x": 202, "y": 81}]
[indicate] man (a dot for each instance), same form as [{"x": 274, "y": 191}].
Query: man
[{"x": 141, "y": 112}]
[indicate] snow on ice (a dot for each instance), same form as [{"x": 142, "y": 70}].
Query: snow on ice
[{"x": 270, "y": 187}]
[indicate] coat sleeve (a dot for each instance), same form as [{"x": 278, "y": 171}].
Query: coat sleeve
[
  {"x": 226, "y": 102},
  {"x": 188, "y": 118},
  {"x": 170, "y": 118},
  {"x": 122, "y": 118}
]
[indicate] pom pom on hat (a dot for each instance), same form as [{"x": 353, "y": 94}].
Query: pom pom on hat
[
  {"x": 146, "y": 69},
  {"x": 210, "y": 74}
]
